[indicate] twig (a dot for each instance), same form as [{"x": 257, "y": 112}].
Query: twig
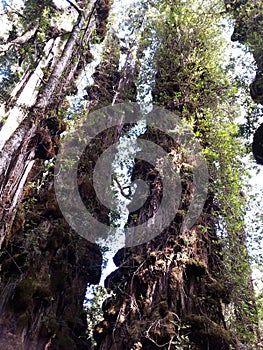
[
  {"x": 14, "y": 261},
  {"x": 76, "y": 7}
]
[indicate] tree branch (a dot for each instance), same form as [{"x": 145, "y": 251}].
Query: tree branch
[
  {"x": 19, "y": 40},
  {"x": 76, "y": 7},
  {"x": 15, "y": 11},
  {"x": 127, "y": 196},
  {"x": 57, "y": 72}
]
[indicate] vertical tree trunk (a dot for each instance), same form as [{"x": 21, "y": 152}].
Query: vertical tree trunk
[
  {"x": 169, "y": 291},
  {"x": 172, "y": 292},
  {"x": 45, "y": 266}
]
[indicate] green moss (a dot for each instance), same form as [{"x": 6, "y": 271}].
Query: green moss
[
  {"x": 202, "y": 325},
  {"x": 196, "y": 267},
  {"x": 89, "y": 57},
  {"x": 218, "y": 289}
]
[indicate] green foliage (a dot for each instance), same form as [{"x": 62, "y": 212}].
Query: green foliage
[
  {"x": 25, "y": 55},
  {"x": 249, "y": 22},
  {"x": 8, "y": 78},
  {"x": 190, "y": 51},
  {"x": 192, "y": 80},
  {"x": 36, "y": 10},
  {"x": 94, "y": 308},
  {"x": 248, "y": 26},
  {"x": 259, "y": 301}
]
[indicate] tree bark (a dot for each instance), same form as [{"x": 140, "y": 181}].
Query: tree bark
[
  {"x": 45, "y": 266},
  {"x": 16, "y": 43},
  {"x": 170, "y": 291}
]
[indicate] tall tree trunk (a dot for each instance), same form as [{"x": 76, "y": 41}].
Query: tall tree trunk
[
  {"x": 172, "y": 292},
  {"x": 45, "y": 266}
]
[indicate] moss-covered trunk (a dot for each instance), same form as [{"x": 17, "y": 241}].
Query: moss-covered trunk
[
  {"x": 179, "y": 290},
  {"x": 170, "y": 291},
  {"x": 45, "y": 266}
]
